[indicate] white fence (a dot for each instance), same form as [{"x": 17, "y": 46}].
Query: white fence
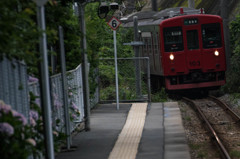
[
  {"x": 14, "y": 90},
  {"x": 14, "y": 86}
]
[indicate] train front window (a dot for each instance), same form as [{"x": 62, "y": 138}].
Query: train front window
[
  {"x": 173, "y": 39},
  {"x": 192, "y": 39},
  {"x": 211, "y": 35}
]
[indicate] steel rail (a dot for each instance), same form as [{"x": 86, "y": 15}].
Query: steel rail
[
  {"x": 225, "y": 107},
  {"x": 210, "y": 128}
]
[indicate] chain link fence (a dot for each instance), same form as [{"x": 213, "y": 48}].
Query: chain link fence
[{"x": 133, "y": 80}]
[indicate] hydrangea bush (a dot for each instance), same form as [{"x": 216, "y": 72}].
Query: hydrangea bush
[
  {"x": 15, "y": 134},
  {"x": 21, "y": 137}
]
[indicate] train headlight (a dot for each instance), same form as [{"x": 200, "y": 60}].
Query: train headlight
[
  {"x": 171, "y": 57},
  {"x": 216, "y": 53}
]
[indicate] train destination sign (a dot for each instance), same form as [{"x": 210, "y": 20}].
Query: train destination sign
[
  {"x": 190, "y": 21},
  {"x": 114, "y": 23}
]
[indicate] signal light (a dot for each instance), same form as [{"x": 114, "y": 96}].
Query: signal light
[
  {"x": 114, "y": 6},
  {"x": 216, "y": 53},
  {"x": 171, "y": 57},
  {"x": 103, "y": 10}
]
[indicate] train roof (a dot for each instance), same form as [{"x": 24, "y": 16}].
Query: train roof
[{"x": 154, "y": 18}]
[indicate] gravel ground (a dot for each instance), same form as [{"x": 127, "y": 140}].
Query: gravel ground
[{"x": 199, "y": 141}]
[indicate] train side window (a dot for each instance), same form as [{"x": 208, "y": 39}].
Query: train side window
[
  {"x": 173, "y": 39},
  {"x": 192, "y": 39},
  {"x": 211, "y": 35},
  {"x": 156, "y": 44}
]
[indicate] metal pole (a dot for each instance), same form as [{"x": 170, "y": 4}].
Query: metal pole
[
  {"x": 224, "y": 15},
  {"x": 84, "y": 67},
  {"x": 191, "y": 4},
  {"x": 116, "y": 66},
  {"x": 65, "y": 88},
  {"x": 45, "y": 88},
  {"x": 148, "y": 80},
  {"x": 52, "y": 62},
  {"x": 137, "y": 61}
]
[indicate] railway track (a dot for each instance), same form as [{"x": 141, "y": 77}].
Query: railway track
[{"x": 215, "y": 133}]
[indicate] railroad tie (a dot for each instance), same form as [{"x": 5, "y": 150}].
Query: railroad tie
[{"x": 128, "y": 140}]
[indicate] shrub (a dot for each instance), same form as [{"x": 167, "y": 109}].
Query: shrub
[{"x": 15, "y": 134}]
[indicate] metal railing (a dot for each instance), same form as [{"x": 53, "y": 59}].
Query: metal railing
[
  {"x": 14, "y": 90},
  {"x": 14, "y": 86},
  {"x": 134, "y": 80},
  {"x": 75, "y": 97}
]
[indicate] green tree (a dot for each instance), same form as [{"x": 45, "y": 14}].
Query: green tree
[
  {"x": 100, "y": 44},
  {"x": 18, "y": 33},
  {"x": 233, "y": 75},
  {"x": 60, "y": 13}
]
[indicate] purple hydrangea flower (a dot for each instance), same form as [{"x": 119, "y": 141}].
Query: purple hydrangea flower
[
  {"x": 74, "y": 116},
  {"x": 6, "y": 128},
  {"x": 38, "y": 102},
  {"x": 20, "y": 117},
  {"x": 32, "y": 121},
  {"x": 57, "y": 103},
  {"x": 4, "y": 107},
  {"x": 33, "y": 114},
  {"x": 32, "y": 79},
  {"x": 74, "y": 106},
  {"x": 70, "y": 93}
]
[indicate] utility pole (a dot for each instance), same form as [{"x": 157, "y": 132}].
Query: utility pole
[
  {"x": 224, "y": 15},
  {"x": 137, "y": 61},
  {"x": 191, "y": 4},
  {"x": 81, "y": 9},
  {"x": 44, "y": 82},
  {"x": 65, "y": 88},
  {"x": 154, "y": 5}
]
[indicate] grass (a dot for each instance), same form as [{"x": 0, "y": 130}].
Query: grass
[
  {"x": 183, "y": 110},
  {"x": 199, "y": 149},
  {"x": 194, "y": 146},
  {"x": 235, "y": 154},
  {"x": 160, "y": 96},
  {"x": 202, "y": 154},
  {"x": 187, "y": 118}
]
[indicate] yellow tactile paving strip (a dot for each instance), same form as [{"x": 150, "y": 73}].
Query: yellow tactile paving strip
[{"x": 127, "y": 144}]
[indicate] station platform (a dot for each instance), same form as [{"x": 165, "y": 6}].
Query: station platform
[{"x": 135, "y": 131}]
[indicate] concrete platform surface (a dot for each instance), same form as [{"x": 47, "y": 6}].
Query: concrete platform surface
[
  {"x": 162, "y": 136},
  {"x": 175, "y": 145},
  {"x": 106, "y": 123}
]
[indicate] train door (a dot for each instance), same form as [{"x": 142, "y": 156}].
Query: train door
[{"x": 192, "y": 48}]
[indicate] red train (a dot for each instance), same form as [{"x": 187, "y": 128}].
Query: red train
[{"x": 185, "y": 47}]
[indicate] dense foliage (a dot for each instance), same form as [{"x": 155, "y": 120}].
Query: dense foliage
[
  {"x": 100, "y": 45},
  {"x": 19, "y": 34},
  {"x": 62, "y": 14},
  {"x": 233, "y": 76}
]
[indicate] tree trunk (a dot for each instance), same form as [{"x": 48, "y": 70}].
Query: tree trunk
[{"x": 224, "y": 15}]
